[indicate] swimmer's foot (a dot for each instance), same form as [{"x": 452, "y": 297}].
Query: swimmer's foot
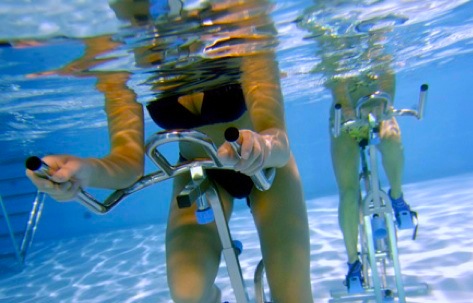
[
  {"x": 354, "y": 278},
  {"x": 402, "y": 212}
]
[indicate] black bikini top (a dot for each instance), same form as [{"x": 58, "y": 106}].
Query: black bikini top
[{"x": 222, "y": 104}]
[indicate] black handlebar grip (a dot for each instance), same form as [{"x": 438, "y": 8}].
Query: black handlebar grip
[
  {"x": 33, "y": 163},
  {"x": 232, "y": 134}
]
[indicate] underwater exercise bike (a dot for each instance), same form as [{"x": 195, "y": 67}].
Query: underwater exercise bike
[
  {"x": 199, "y": 190},
  {"x": 378, "y": 226}
]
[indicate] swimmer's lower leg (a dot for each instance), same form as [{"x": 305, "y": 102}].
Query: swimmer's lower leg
[
  {"x": 193, "y": 258},
  {"x": 348, "y": 218}
]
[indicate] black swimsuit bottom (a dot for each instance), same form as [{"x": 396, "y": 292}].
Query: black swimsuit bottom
[{"x": 222, "y": 104}]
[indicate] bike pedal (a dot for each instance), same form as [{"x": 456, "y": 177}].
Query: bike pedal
[
  {"x": 355, "y": 286},
  {"x": 404, "y": 220}
]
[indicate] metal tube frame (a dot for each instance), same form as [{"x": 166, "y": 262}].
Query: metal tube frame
[
  {"x": 21, "y": 250},
  {"x": 32, "y": 224},
  {"x": 376, "y": 201},
  {"x": 199, "y": 189},
  {"x": 228, "y": 250},
  {"x": 167, "y": 170},
  {"x": 10, "y": 231}
]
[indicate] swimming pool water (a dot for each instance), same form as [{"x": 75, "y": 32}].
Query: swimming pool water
[{"x": 79, "y": 257}]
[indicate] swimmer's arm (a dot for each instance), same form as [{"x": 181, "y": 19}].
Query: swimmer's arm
[
  {"x": 124, "y": 165},
  {"x": 262, "y": 90},
  {"x": 82, "y": 66}
]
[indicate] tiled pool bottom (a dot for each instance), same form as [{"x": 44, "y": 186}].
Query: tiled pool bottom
[{"x": 129, "y": 265}]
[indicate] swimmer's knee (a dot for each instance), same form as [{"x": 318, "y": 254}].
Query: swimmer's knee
[
  {"x": 391, "y": 138},
  {"x": 185, "y": 293},
  {"x": 188, "y": 293},
  {"x": 391, "y": 142}
]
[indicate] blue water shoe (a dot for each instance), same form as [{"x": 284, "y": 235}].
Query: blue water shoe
[
  {"x": 354, "y": 278},
  {"x": 402, "y": 212}
]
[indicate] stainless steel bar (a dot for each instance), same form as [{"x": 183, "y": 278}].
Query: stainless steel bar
[
  {"x": 337, "y": 121},
  {"x": 372, "y": 259},
  {"x": 385, "y": 98},
  {"x": 161, "y": 138},
  {"x": 167, "y": 170},
  {"x": 395, "y": 256},
  {"x": 260, "y": 296},
  {"x": 10, "y": 231},
  {"x": 229, "y": 253},
  {"x": 32, "y": 224},
  {"x": 374, "y": 177},
  {"x": 42, "y": 170},
  {"x": 422, "y": 100},
  {"x": 341, "y": 295}
]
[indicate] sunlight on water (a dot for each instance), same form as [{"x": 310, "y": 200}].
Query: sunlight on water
[{"x": 129, "y": 266}]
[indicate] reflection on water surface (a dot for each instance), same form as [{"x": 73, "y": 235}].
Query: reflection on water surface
[{"x": 175, "y": 50}]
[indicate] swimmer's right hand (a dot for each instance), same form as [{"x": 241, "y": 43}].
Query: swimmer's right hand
[{"x": 68, "y": 174}]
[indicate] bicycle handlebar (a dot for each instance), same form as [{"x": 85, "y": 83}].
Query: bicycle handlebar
[
  {"x": 42, "y": 169},
  {"x": 262, "y": 181},
  {"x": 263, "y": 178},
  {"x": 389, "y": 110}
]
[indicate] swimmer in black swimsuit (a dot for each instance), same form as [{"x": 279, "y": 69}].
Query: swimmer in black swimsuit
[
  {"x": 168, "y": 113},
  {"x": 255, "y": 106}
]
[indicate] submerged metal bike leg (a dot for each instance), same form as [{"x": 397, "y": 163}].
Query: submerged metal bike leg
[
  {"x": 372, "y": 259},
  {"x": 202, "y": 191},
  {"x": 229, "y": 253},
  {"x": 260, "y": 296},
  {"x": 395, "y": 257}
]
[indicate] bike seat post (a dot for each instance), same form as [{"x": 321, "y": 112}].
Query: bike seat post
[
  {"x": 41, "y": 169},
  {"x": 374, "y": 138}
]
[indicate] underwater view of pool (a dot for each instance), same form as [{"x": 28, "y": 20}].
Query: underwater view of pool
[{"x": 47, "y": 107}]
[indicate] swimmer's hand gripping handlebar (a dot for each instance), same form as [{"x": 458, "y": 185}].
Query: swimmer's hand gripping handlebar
[
  {"x": 262, "y": 181},
  {"x": 263, "y": 178},
  {"x": 41, "y": 169},
  {"x": 419, "y": 113}
]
